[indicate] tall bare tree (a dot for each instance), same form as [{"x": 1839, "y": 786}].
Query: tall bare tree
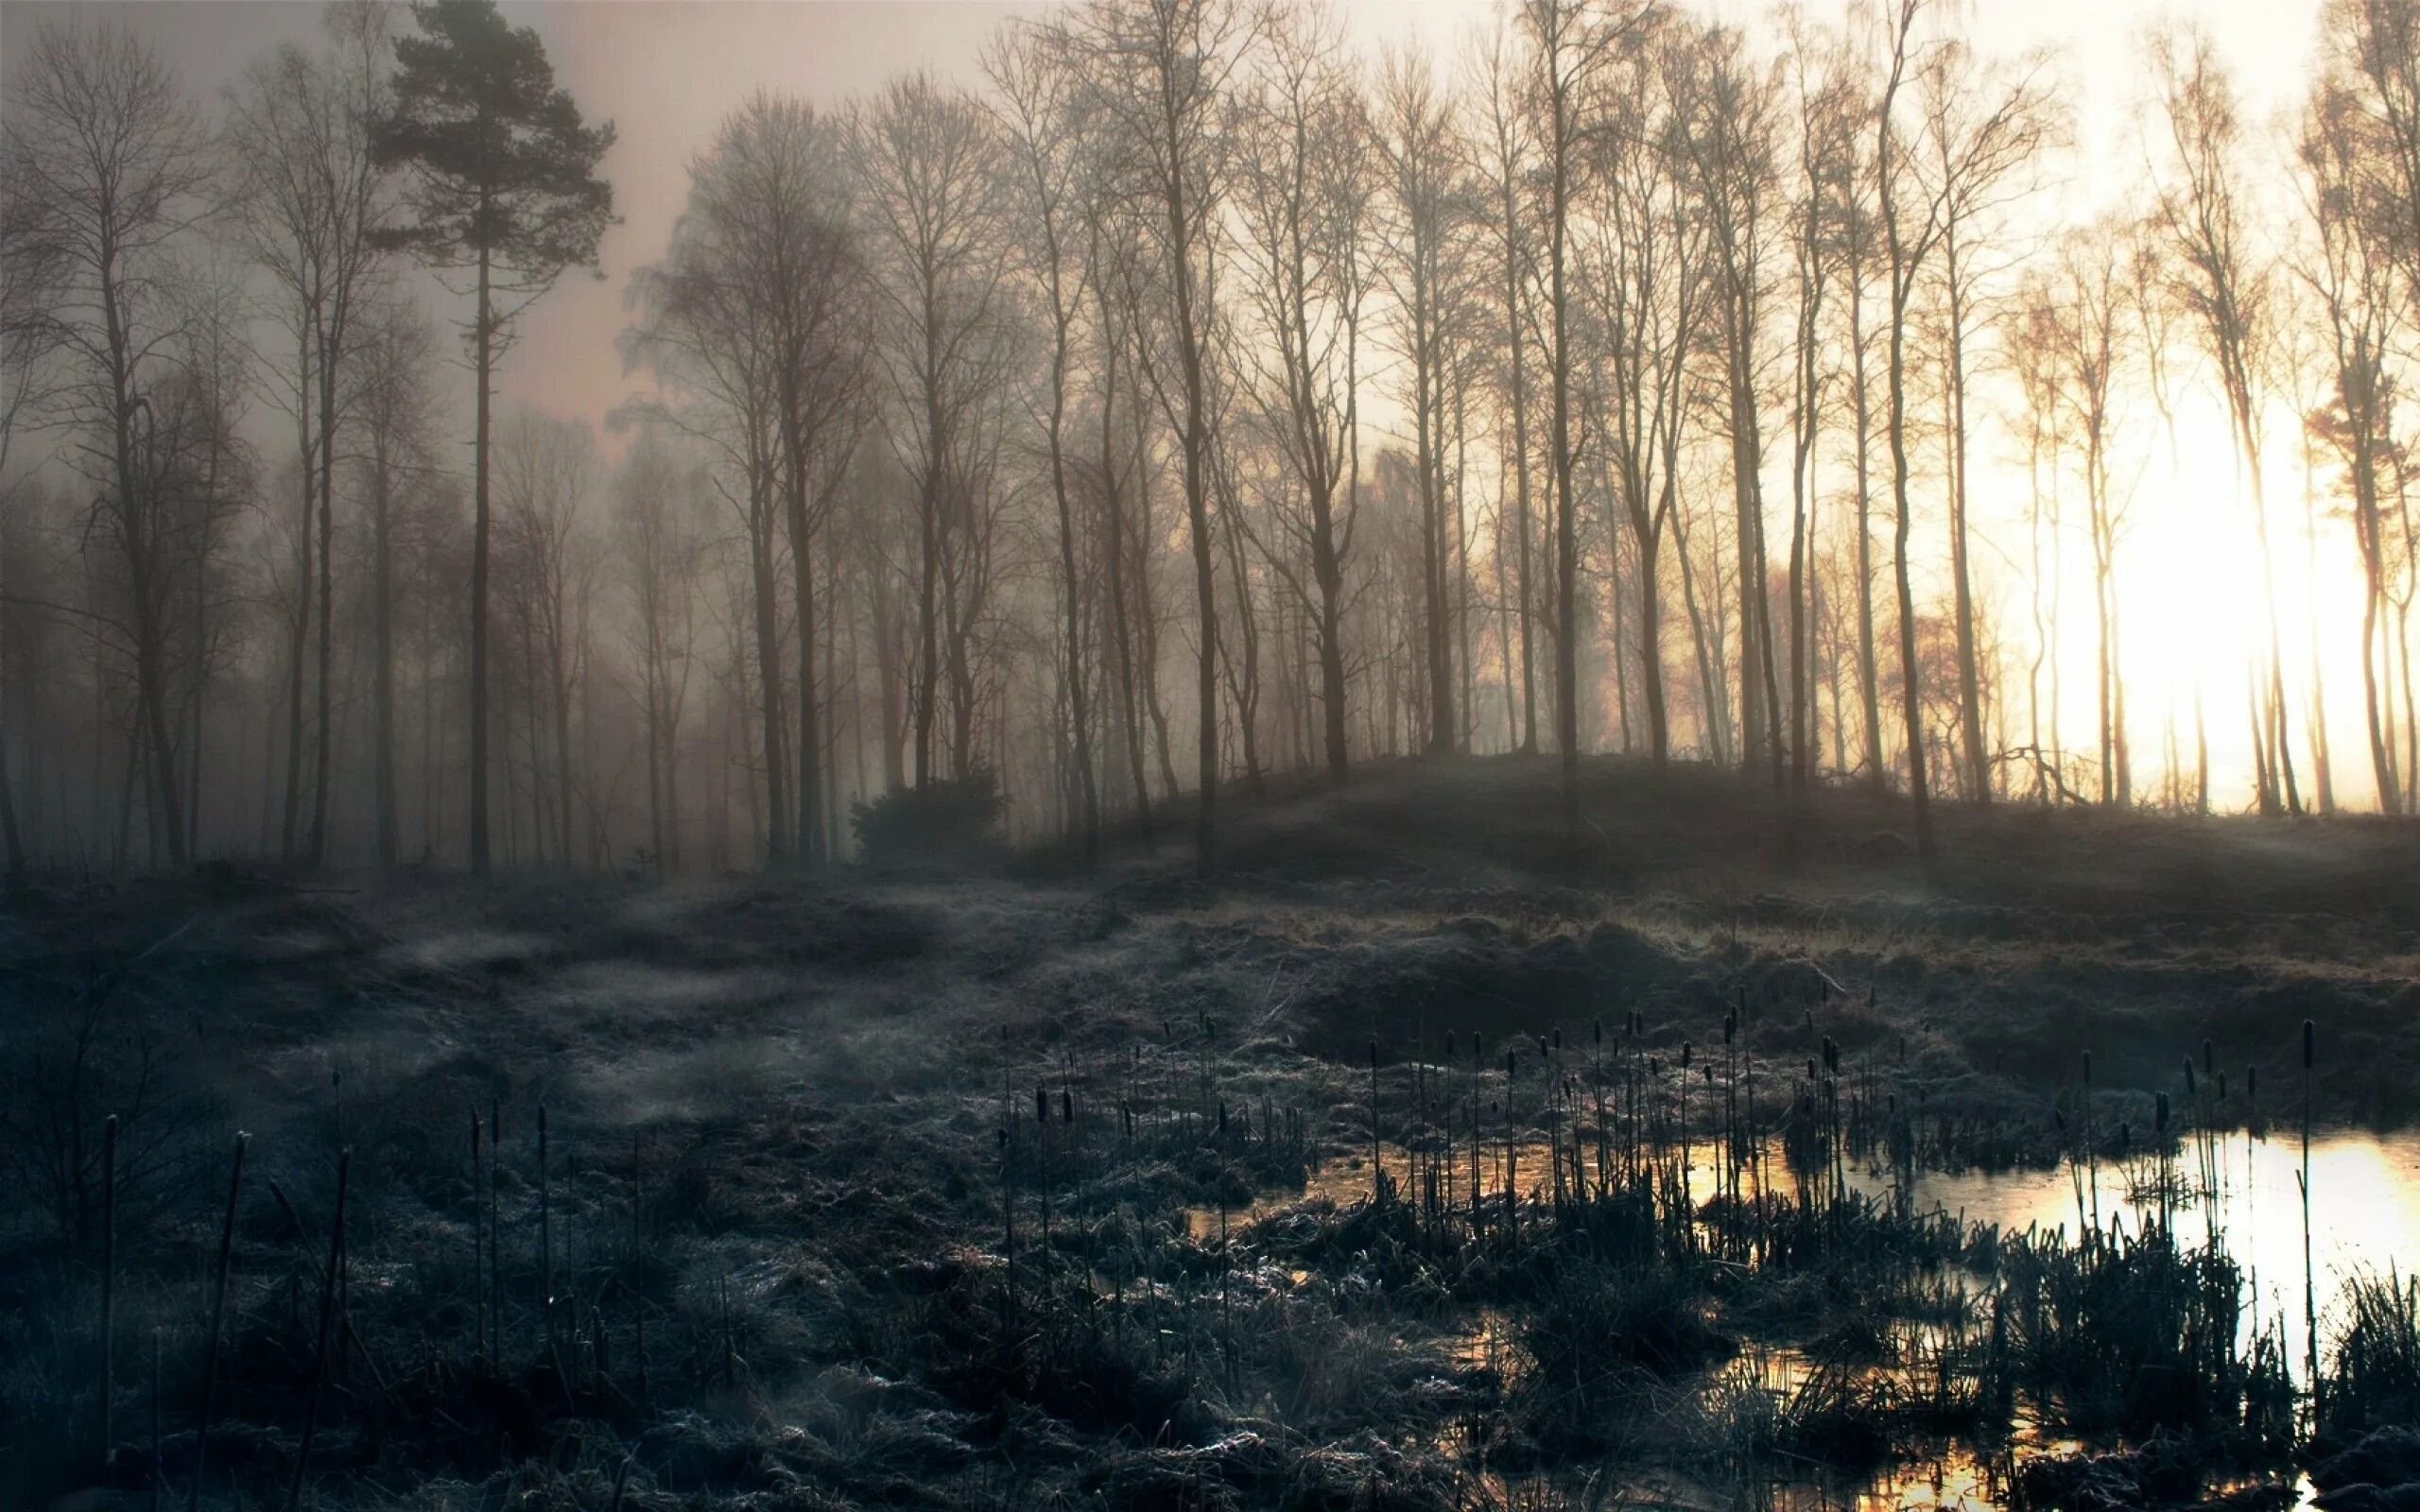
[
  {"x": 108, "y": 165},
  {"x": 1043, "y": 110},
  {"x": 772, "y": 197},
  {"x": 1571, "y": 41},
  {"x": 1161, "y": 72},
  {"x": 2223, "y": 283},
  {"x": 1426, "y": 271},
  {"x": 1305, "y": 197},
  {"x": 935, "y": 181}
]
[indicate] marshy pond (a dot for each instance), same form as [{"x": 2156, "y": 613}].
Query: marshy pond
[{"x": 1943, "y": 1352}]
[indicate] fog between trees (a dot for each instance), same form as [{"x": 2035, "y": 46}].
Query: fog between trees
[{"x": 1187, "y": 403}]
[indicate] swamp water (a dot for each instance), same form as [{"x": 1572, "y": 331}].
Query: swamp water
[{"x": 2241, "y": 1189}]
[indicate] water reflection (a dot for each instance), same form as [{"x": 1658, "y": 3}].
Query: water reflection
[{"x": 2364, "y": 1211}]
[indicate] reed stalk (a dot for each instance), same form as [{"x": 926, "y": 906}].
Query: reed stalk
[
  {"x": 320, "y": 1353},
  {"x": 109, "y": 1283},
  {"x": 2301, "y": 1182},
  {"x": 1377, "y": 1169},
  {"x": 479, "y": 1249},
  {"x": 217, "y": 1320},
  {"x": 1511, "y": 1154}
]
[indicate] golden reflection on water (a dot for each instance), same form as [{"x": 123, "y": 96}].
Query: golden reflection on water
[{"x": 2365, "y": 1215}]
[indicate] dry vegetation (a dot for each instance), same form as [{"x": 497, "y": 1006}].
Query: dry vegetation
[{"x": 923, "y": 1191}]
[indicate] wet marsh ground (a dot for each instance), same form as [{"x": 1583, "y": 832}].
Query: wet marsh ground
[{"x": 1420, "y": 1160}]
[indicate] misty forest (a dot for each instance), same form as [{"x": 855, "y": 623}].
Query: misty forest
[{"x": 1613, "y": 753}]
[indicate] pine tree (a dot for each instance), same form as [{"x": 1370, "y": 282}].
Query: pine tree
[{"x": 502, "y": 185}]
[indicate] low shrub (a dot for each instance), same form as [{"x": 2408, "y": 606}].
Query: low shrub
[{"x": 949, "y": 822}]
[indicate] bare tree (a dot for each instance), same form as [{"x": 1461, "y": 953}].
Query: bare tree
[
  {"x": 1646, "y": 274},
  {"x": 1728, "y": 126},
  {"x": 1161, "y": 72},
  {"x": 771, "y": 196},
  {"x": 110, "y": 163},
  {"x": 2226, "y": 288},
  {"x": 934, "y": 180},
  {"x": 2351, "y": 268},
  {"x": 1912, "y": 212},
  {"x": 1507, "y": 164},
  {"x": 1828, "y": 161},
  {"x": 1983, "y": 135},
  {"x": 544, "y": 471},
  {"x": 1305, "y": 192},
  {"x": 1572, "y": 43},
  {"x": 2093, "y": 328},
  {"x": 1044, "y": 122},
  {"x": 1427, "y": 270},
  {"x": 396, "y": 406},
  {"x": 660, "y": 530}
]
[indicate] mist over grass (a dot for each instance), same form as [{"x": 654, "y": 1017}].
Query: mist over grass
[{"x": 1018, "y": 1189}]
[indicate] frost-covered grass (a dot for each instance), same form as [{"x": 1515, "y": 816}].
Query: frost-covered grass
[{"x": 812, "y": 1240}]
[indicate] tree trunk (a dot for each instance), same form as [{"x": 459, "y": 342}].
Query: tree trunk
[
  {"x": 327, "y": 593},
  {"x": 1566, "y": 664},
  {"x": 1869, "y": 667},
  {"x": 298, "y": 643},
  {"x": 483, "y": 370},
  {"x": 1088, "y": 795},
  {"x": 1978, "y": 782},
  {"x": 1520, "y": 475},
  {"x": 382, "y": 672}
]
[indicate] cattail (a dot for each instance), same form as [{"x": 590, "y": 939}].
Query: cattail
[
  {"x": 2252, "y": 1081},
  {"x": 2162, "y": 1123},
  {"x": 327, "y": 1311},
  {"x": 2208, "y": 1063},
  {"x": 546, "y": 1252},
  {"x": 1684, "y": 1054},
  {"x": 1558, "y": 1042},
  {"x": 2189, "y": 1088},
  {"x": 1041, "y": 1104},
  {"x": 109, "y": 1276},
  {"x": 1067, "y": 1106},
  {"x": 1596, "y": 1027},
  {"x": 1730, "y": 1028},
  {"x": 2308, "y": 1035},
  {"x": 158, "y": 1475},
  {"x": 218, "y": 1313}
]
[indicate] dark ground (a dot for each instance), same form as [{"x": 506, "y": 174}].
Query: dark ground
[{"x": 773, "y": 1195}]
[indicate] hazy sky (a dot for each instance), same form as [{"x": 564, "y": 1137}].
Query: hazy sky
[{"x": 666, "y": 71}]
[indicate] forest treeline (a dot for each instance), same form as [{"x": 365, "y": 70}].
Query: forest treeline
[{"x": 1188, "y": 400}]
